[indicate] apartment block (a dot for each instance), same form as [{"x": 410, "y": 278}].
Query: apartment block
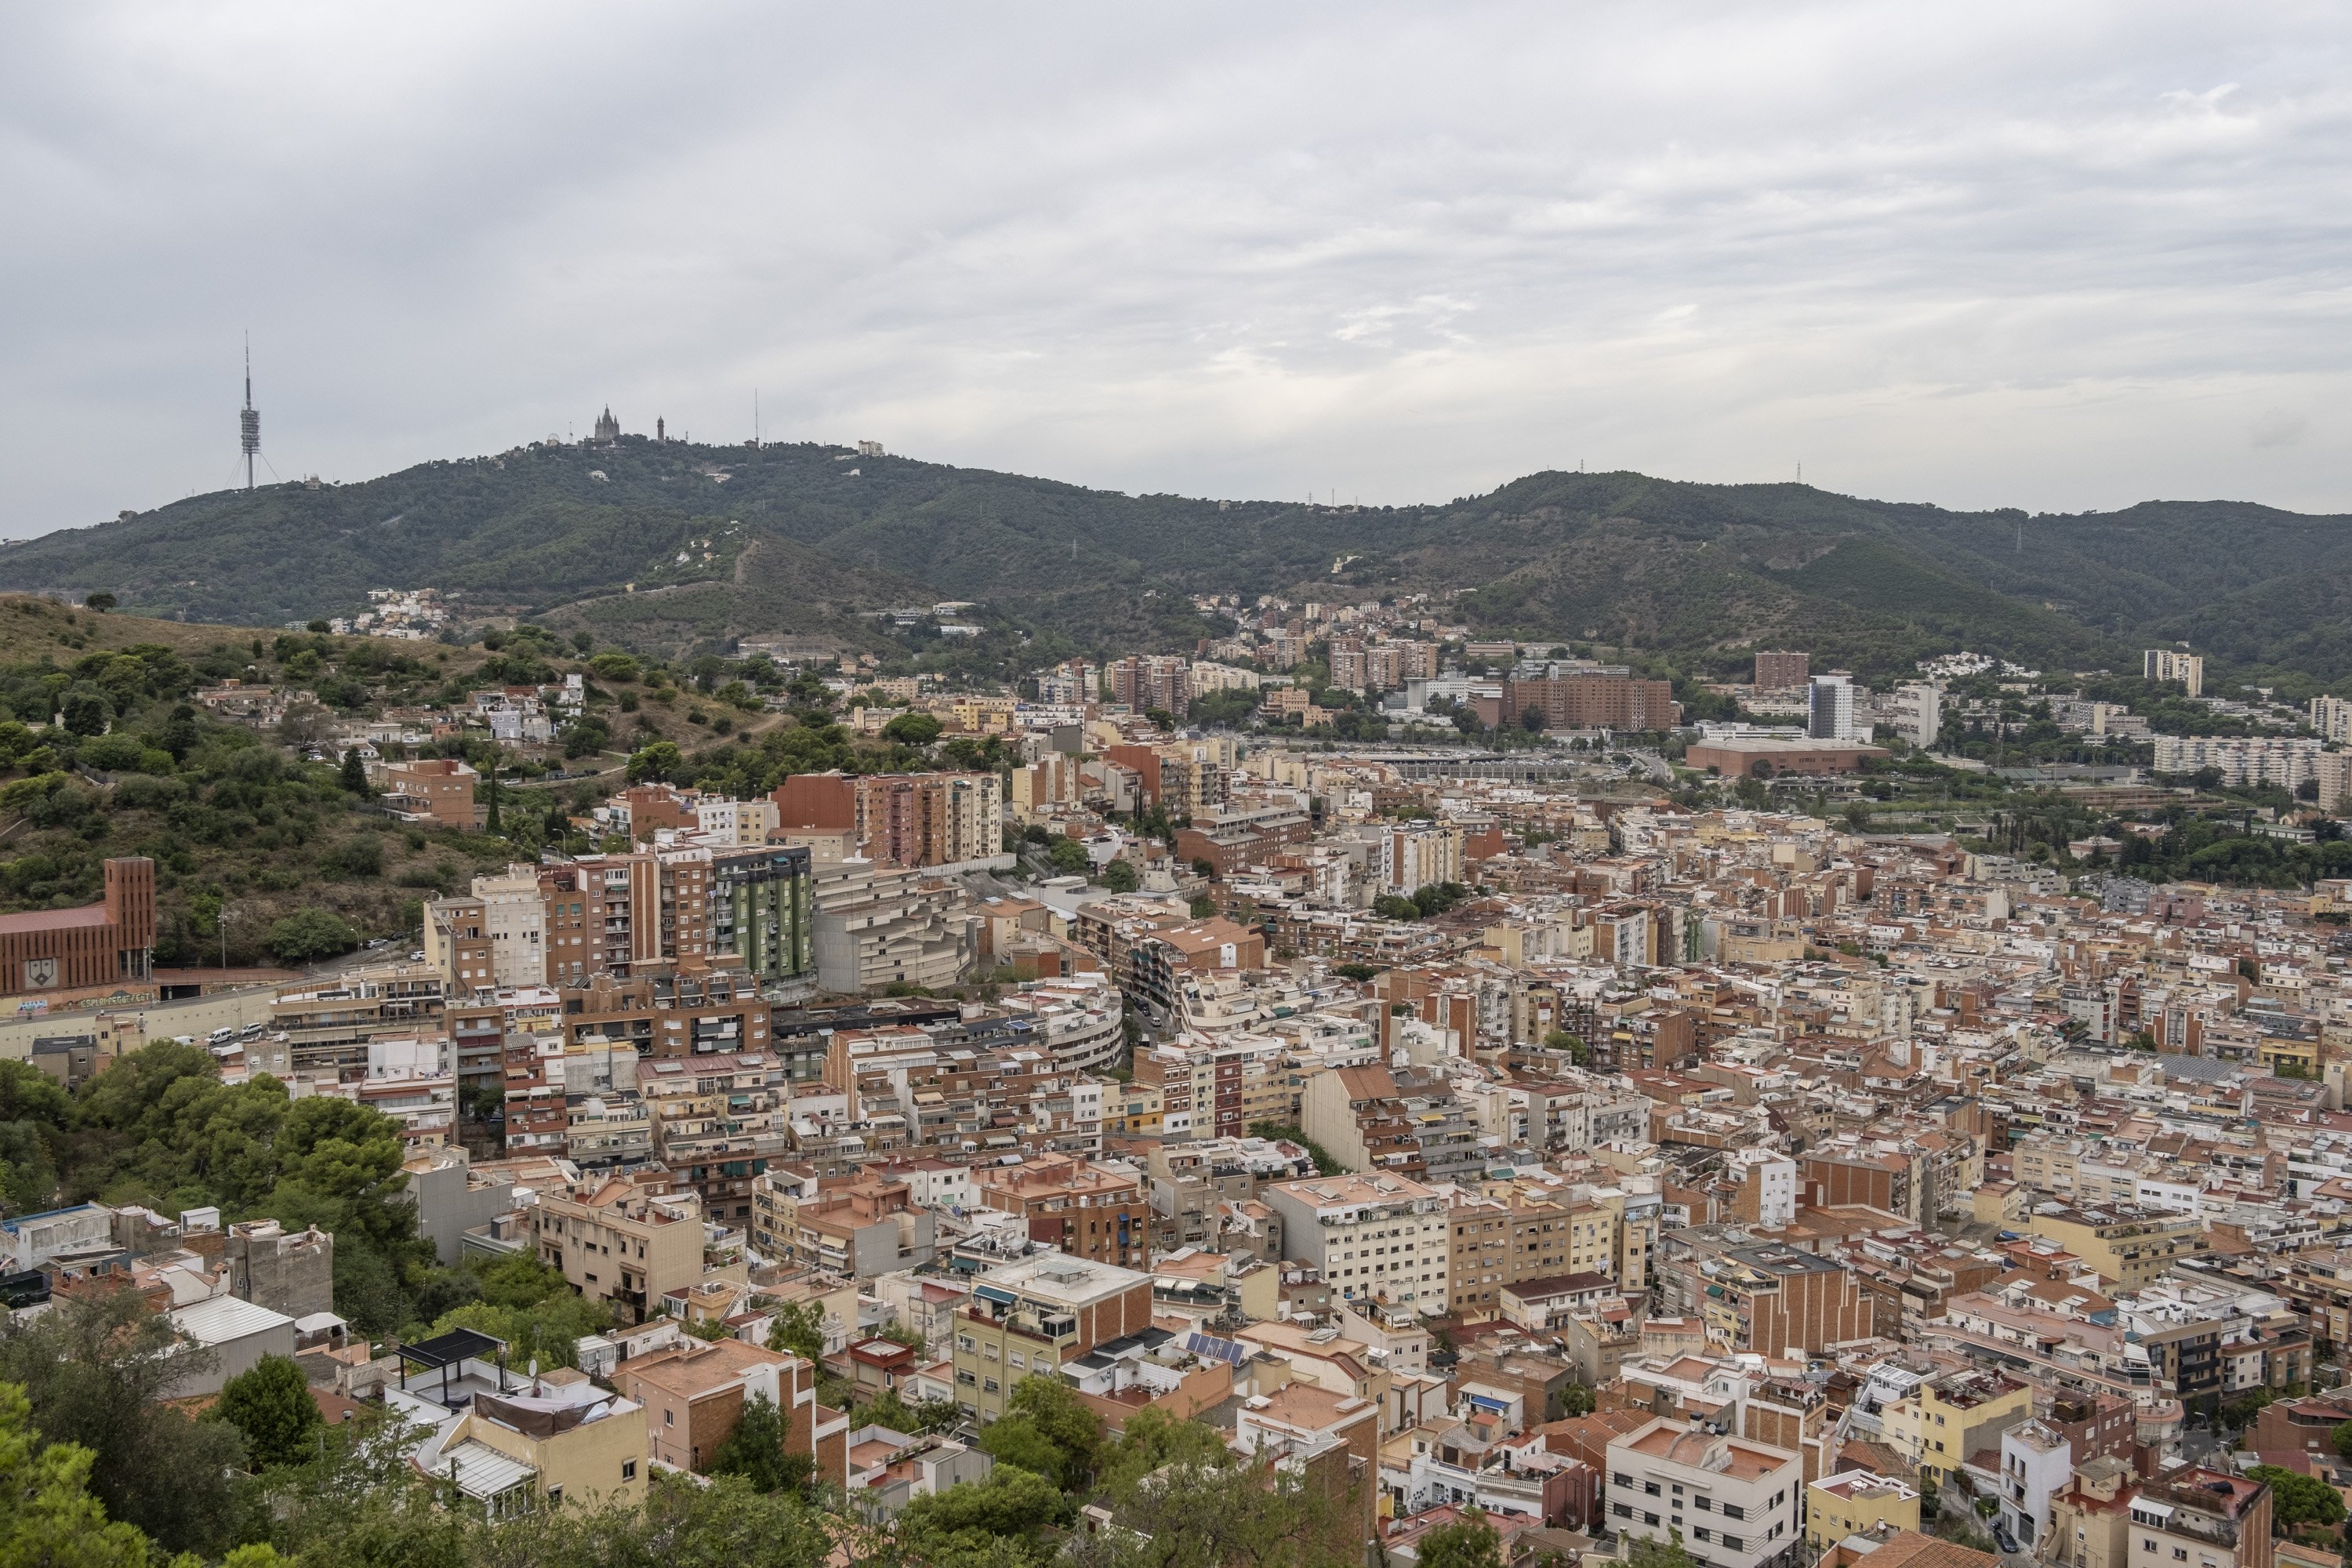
[
  {"x": 435, "y": 790},
  {"x": 858, "y": 1227},
  {"x": 1598, "y": 700},
  {"x": 2165, "y": 664},
  {"x": 621, "y": 1241},
  {"x": 1091, "y": 1211},
  {"x": 716, "y": 1123},
  {"x": 1036, "y": 1315},
  {"x": 2286, "y": 761},
  {"x": 1418, "y": 855},
  {"x": 1369, "y": 1236},
  {"x": 2203, "y": 1517},
  {"x": 669, "y": 1015},
  {"x": 694, "y": 1394},
  {"x": 877, "y": 926},
  {"x": 899, "y": 819},
  {"x": 1732, "y": 1502},
  {"x": 2126, "y": 1245}
]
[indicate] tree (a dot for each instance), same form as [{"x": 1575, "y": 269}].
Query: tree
[
  {"x": 616, "y": 667},
  {"x": 2342, "y": 1437},
  {"x": 271, "y": 1405},
  {"x": 309, "y": 933},
  {"x": 1153, "y": 1440},
  {"x": 798, "y": 1330},
  {"x": 100, "y": 602},
  {"x": 2298, "y": 1499},
  {"x": 1014, "y": 1506},
  {"x": 86, "y": 711},
  {"x": 1532, "y": 720},
  {"x": 47, "y": 1516},
  {"x": 1393, "y": 907},
  {"x": 755, "y": 1449},
  {"x": 1578, "y": 1051},
  {"x": 1067, "y": 857},
  {"x": 354, "y": 774},
  {"x": 1472, "y": 1543},
  {"x": 912, "y": 730},
  {"x": 1070, "y": 1430},
  {"x": 1120, "y": 876},
  {"x": 657, "y": 764},
  {"x": 1216, "y": 1514},
  {"x": 95, "y": 1369}
]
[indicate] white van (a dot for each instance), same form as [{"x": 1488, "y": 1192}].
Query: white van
[{"x": 221, "y": 1036}]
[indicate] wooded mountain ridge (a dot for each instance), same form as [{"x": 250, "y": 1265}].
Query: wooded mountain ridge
[{"x": 666, "y": 544}]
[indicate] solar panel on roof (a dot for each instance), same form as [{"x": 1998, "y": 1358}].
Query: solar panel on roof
[{"x": 1215, "y": 1348}]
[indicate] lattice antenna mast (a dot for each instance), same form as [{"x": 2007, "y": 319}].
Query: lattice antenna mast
[{"x": 249, "y": 420}]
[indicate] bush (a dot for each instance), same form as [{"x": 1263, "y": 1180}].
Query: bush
[{"x": 361, "y": 856}]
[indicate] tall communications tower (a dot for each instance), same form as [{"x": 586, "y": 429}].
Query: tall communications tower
[{"x": 249, "y": 421}]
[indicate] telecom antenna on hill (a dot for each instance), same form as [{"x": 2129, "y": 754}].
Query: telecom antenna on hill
[{"x": 248, "y": 419}]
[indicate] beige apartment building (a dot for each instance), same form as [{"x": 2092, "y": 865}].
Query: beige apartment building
[
  {"x": 2127, "y": 1245},
  {"x": 1506, "y": 1236},
  {"x": 1370, "y": 1235},
  {"x": 1036, "y": 1315},
  {"x": 616, "y": 1241}
]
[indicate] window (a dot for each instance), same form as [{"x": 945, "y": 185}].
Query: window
[
  {"x": 1702, "y": 1533},
  {"x": 1734, "y": 1542},
  {"x": 1702, "y": 1504},
  {"x": 1623, "y": 1510},
  {"x": 1733, "y": 1510},
  {"x": 669, "y": 1418},
  {"x": 2180, "y": 1555},
  {"x": 988, "y": 1386},
  {"x": 628, "y": 1470},
  {"x": 1650, "y": 1488},
  {"x": 1622, "y": 1479}
]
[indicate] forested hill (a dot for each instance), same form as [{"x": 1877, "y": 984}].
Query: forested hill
[{"x": 673, "y": 540}]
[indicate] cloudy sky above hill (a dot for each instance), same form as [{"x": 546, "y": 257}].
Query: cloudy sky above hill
[{"x": 2056, "y": 257}]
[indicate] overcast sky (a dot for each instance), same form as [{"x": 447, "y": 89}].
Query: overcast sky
[{"x": 2050, "y": 256}]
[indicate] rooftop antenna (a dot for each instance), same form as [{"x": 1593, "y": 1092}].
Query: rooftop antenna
[{"x": 248, "y": 419}]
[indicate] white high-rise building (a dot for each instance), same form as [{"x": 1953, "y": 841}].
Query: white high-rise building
[
  {"x": 1830, "y": 709},
  {"x": 1918, "y": 711},
  {"x": 2163, "y": 664},
  {"x": 2332, "y": 717}
]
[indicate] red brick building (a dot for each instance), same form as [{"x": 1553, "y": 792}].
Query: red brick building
[{"x": 100, "y": 944}]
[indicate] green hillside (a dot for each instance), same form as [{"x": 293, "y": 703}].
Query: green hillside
[{"x": 666, "y": 545}]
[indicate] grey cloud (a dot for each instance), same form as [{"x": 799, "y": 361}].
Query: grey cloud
[{"x": 1998, "y": 256}]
